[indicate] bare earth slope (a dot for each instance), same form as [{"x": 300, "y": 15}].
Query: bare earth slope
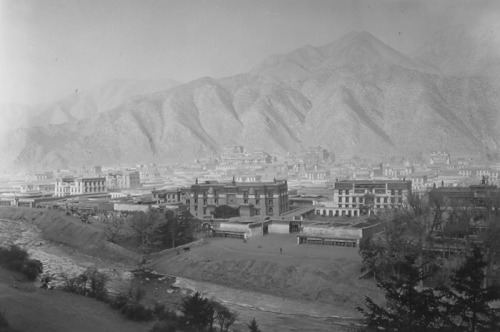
[{"x": 320, "y": 274}]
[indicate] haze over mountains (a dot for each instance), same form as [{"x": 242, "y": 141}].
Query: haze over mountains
[{"x": 355, "y": 96}]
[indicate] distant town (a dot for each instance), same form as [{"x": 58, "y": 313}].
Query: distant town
[{"x": 306, "y": 192}]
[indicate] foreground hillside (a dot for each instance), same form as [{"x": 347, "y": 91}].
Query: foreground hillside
[
  {"x": 356, "y": 96},
  {"x": 311, "y": 288},
  {"x": 29, "y": 308}
]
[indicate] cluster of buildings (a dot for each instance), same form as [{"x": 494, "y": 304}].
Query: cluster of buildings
[{"x": 311, "y": 202}]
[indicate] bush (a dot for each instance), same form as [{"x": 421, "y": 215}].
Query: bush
[
  {"x": 16, "y": 259},
  {"x": 137, "y": 312},
  {"x": 159, "y": 309},
  {"x": 119, "y": 301},
  {"x": 90, "y": 283},
  {"x": 32, "y": 268},
  {"x": 171, "y": 326},
  {"x": 136, "y": 293}
]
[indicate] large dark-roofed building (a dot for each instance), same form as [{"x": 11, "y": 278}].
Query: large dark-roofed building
[{"x": 252, "y": 198}]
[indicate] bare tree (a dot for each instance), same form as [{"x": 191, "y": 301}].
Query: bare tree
[
  {"x": 146, "y": 226},
  {"x": 113, "y": 224}
]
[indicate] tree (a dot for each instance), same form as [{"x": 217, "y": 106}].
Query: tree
[
  {"x": 224, "y": 316},
  {"x": 113, "y": 224},
  {"x": 197, "y": 311},
  {"x": 408, "y": 309},
  {"x": 146, "y": 226},
  {"x": 253, "y": 327},
  {"x": 178, "y": 230},
  {"x": 467, "y": 301}
]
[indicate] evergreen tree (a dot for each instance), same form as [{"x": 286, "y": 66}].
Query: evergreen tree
[
  {"x": 467, "y": 301},
  {"x": 197, "y": 311},
  {"x": 408, "y": 309},
  {"x": 253, "y": 327}
]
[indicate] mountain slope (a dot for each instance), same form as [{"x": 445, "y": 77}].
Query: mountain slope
[{"x": 355, "y": 96}]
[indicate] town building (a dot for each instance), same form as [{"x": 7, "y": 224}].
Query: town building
[
  {"x": 347, "y": 233},
  {"x": 172, "y": 196},
  {"x": 362, "y": 197},
  {"x": 252, "y": 198},
  {"x": 126, "y": 180},
  {"x": 40, "y": 177},
  {"x": 79, "y": 186}
]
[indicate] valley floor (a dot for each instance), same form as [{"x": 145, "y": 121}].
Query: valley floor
[{"x": 304, "y": 288}]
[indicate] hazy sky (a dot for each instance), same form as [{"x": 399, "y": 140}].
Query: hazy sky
[{"x": 49, "y": 48}]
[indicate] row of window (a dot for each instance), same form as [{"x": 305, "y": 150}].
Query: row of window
[
  {"x": 378, "y": 200},
  {"x": 245, "y": 201},
  {"x": 270, "y": 193},
  {"x": 378, "y": 191},
  {"x": 257, "y": 211}
]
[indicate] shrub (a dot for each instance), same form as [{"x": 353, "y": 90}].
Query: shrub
[
  {"x": 90, "y": 283},
  {"x": 119, "y": 301},
  {"x": 159, "y": 309},
  {"x": 32, "y": 268},
  {"x": 172, "y": 326},
  {"x": 16, "y": 259},
  {"x": 136, "y": 311},
  {"x": 136, "y": 293},
  {"x": 97, "y": 284}
]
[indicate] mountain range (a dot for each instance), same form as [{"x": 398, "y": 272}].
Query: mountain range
[{"x": 355, "y": 96}]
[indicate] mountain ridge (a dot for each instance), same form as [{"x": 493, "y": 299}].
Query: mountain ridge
[{"x": 355, "y": 96}]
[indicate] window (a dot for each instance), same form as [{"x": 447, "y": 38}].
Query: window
[
  {"x": 271, "y": 209},
  {"x": 204, "y": 210},
  {"x": 347, "y": 192},
  {"x": 393, "y": 200},
  {"x": 245, "y": 201},
  {"x": 257, "y": 212},
  {"x": 400, "y": 192},
  {"x": 340, "y": 191},
  {"x": 340, "y": 199},
  {"x": 245, "y": 194},
  {"x": 205, "y": 201},
  {"x": 392, "y": 192},
  {"x": 196, "y": 207},
  {"x": 385, "y": 199},
  {"x": 270, "y": 202},
  {"x": 196, "y": 201},
  {"x": 257, "y": 201},
  {"x": 347, "y": 199},
  {"x": 378, "y": 199},
  {"x": 354, "y": 199},
  {"x": 216, "y": 201},
  {"x": 270, "y": 193}
]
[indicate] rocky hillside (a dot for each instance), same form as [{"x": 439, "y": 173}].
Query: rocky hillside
[{"x": 356, "y": 96}]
